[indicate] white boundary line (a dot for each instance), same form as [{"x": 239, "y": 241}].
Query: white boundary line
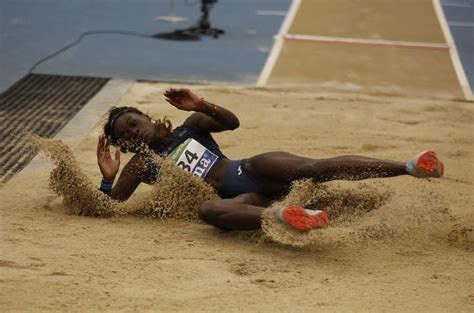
[
  {"x": 277, "y": 45},
  {"x": 459, "y": 5},
  {"x": 461, "y": 24},
  {"x": 453, "y": 51},
  {"x": 370, "y": 42},
  {"x": 270, "y": 13}
]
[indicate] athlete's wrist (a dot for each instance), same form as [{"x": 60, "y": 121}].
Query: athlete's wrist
[
  {"x": 108, "y": 179},
  {"x": 207, "y": 107},
  {"x": 106, "y": 184}
]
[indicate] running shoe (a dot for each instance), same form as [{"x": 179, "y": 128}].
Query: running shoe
[
  {"x": 303, "y": 219},
  {"x": 425, "y": 164}
]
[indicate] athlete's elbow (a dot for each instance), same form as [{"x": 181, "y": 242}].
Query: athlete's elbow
[{"x": 234, "y": 124}]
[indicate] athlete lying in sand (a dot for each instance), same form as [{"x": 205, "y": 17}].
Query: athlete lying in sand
[{"x": 245, "y": 186}]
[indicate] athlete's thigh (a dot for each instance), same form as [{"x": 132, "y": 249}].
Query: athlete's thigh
[{"x": 276, "y": 166}]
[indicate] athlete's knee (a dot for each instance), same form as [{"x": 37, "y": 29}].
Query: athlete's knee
[
  {"x": 210, "y": 212},
  {"x": 206, "y": 210}
]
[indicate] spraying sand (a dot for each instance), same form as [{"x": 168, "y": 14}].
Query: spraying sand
[{"x": 178, "y": 195}]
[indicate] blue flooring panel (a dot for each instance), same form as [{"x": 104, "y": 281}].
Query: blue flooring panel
[
  {"x": 33, "y": 29},
  {"x": 460, "y": 17}
]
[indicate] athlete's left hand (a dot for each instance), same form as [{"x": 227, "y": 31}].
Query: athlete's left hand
[{"x": 183, "y": 99}]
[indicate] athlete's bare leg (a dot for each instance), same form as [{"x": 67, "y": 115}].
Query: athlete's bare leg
[
  {"x": 243, "y": 212},
  {"x": 278, "y": 169},
  {"x": 284, "y": 167}
]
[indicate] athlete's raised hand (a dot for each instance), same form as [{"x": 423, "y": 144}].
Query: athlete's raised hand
[
  {"x": 184, "y": 99},
  {"x": 108, "y": 167}
]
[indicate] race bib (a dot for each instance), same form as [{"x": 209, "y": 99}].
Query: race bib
[{"x": 193, "y": 157}]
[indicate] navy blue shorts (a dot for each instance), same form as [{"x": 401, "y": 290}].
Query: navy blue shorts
[{"x": 237, "y": 181}]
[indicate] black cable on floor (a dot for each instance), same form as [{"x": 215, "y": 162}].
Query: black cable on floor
[{"x": 84, "y": 34}]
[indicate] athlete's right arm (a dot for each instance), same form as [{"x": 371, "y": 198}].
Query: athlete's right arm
[{"x": 130, "y": 177}]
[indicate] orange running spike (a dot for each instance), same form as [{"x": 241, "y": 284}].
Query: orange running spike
[
  {"x": 302, "y": 219},
  {"x": 426, "y": 164}
]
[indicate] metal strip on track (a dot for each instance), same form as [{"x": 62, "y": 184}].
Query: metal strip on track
[{"x": 40, "y": 104}]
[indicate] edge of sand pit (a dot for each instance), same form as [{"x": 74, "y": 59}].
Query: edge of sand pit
[{"x": 84, "y": 121}]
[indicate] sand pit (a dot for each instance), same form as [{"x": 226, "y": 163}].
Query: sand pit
[{"x": 398, "y": 244}]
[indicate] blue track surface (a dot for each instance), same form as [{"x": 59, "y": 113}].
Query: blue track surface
[
  {"x": 33, "y": 29},
  {"x": 460, "y": 16}
]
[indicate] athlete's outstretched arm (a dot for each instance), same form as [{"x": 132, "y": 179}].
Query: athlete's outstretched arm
[{"x": 208, "y": 117}]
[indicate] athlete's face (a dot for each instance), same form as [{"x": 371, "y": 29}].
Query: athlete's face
[{"x": 134, "y": 126}]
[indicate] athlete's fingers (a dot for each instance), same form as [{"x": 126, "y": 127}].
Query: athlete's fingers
[
  {"x": 176, "y": 95},
  {"x": 108, "y": 141},
  {"x": 169, "y": 97},
  {"x": 99, "y": 140},
  {"x": 117, "y": 155},
  {"x": 105, "y": 153},
  {"x": 102, "y": 143},
  {"x": 171, "y": 92},
  {"x": 99, "y": 149},
  {"x": 173, "y": 103}
]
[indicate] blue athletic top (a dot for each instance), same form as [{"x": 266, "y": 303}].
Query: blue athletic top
[
  {"x": 178, "y": 136},
  {"x": 235, "y": 181}
]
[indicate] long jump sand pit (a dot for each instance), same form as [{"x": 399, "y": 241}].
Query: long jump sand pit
[
  {"x": 362, "y": 44},
  {"x": 398, "y": 244}
]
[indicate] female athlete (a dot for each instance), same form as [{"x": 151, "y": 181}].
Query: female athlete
[{"x": 245, "y": 186}]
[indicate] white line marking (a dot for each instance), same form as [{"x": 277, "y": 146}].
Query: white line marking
[
  {"x": 277, "y": 45},
  {"x": 454, "y": 4},
  {"x": 461, "y": 24},
  {"x": 453, "y": 51},
  {"x": 270, "y": 12},
  {"x": 371, "y": 42}
]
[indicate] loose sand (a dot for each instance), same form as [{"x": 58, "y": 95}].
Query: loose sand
[{"x": 398, "y": 244}]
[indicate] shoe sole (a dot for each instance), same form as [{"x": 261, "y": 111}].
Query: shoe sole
[
  {"x": 296, "y": 217},
  {"x": 429, "y": 164}
]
